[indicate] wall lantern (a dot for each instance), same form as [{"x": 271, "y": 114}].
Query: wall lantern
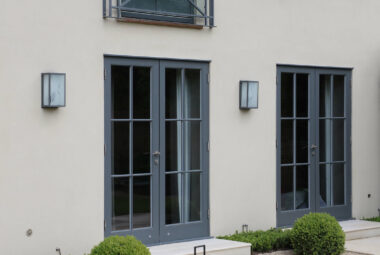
[
  {"x": 249, "y": 94},
  {"x": 53, "y": 90}
]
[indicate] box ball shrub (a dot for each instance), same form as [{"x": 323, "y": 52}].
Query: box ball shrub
[
  {"x": 317, "y": 234},
  {"x": 120, "y": 245}
]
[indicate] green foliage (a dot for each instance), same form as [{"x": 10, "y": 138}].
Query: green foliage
[
  {"x": 263, "y": 241},
  {"x": 317, "y": 234},
  {"x": 120, "y": 245},
  {"x": 377, "y": 219}
]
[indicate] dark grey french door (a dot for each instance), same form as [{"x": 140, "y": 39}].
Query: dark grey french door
[
  {"x": 313, "y": 142},
  {"x": 156, "y": 157}
]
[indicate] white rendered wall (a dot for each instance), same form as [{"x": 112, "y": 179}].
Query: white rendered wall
[{"x": 51, "y": 161}]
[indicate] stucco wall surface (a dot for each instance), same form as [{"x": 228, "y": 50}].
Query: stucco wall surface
[{"x": 52, "y": 163}]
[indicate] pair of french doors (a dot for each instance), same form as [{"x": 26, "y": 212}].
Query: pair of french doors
[
  {"x": 313, "y": 142},
  {"x": 156, "y": 153}
]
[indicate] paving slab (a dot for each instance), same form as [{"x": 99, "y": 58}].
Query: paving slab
[{"x": 366, "y": 245}]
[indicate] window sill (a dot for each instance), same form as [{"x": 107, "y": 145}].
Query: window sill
[{"x": 160, "y": 23}]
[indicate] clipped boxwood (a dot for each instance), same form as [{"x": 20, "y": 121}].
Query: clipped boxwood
[
  {"x": 316, "y": 234},
  {"x": 120, "y": 245},
  {"x": 263, "y": 241}
]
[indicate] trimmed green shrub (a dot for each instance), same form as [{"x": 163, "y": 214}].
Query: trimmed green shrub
[
  {"x": 120, "y": 245},
  {"x": 263, "y": 241},
  {"x": 377, "y": 219},
  {"x": 317, "y": 234}
]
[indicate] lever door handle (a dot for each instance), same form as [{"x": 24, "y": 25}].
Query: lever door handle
[
  {"x": 156, "y": 153},
  {"x": 313, "y": 146}
]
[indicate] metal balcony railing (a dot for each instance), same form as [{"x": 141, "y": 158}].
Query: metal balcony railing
[{"x": 202, "y": 12}]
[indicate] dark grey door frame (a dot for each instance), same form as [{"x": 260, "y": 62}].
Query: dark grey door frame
[
  {"x": 150, "y": 234},
  {"x": 158, "y": 232},
  {"x": 287, "y": 218},
  {"x": 194, "y": 229}
]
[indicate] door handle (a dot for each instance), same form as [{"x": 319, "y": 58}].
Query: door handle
[
  {"x": 156, "y": 153},
  {"x": 313, "y": 146}
]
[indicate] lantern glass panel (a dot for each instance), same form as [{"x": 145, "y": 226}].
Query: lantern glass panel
[
  {"x": 244, "y": 94},
  {"x": 57, "y": 90},
  {"x": 45, "y": 89},
  {"x": 252, "y": 95}
]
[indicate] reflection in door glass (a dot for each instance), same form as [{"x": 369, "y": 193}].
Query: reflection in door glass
[
  {"x": 120, "y": 147},
  {"x": 325, "y": 95},
  {"x": 120, "y": 204},
  {"x": 302, "y": 95},
  {"x": 141, "y": 202},
  {"x": 141, "y": 92},
  {"x": 191, "y": 94},
  {"x": 173, "y": 91},
  {"x": 302, "y": 187},
  {"x": 287, "y": 194},
  {"x": 338, "y": 184},
  {"x": 287, "y": 94},
  {"x": 338, "y": 104},
  {"x": 173, "y": 198},
  {"x": 141, "y": 147},
  {"x": 173, "y": 146},
  {"x": 325, "y": 140},
  {"x": 338, "y": 140},
  {"x": 302, "y": 141},
  {"x": 192, "y": 197},
  {"x": 120, "y": 91},
  {"x": 287, "y": 141},
  {"x": 192, "y": 138}
]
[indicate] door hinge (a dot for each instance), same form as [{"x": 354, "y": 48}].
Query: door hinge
[
  {"x": 105, "y": 74},
  {"x": 208, "y": 78},
  {"x": 105, "y": 224},
  {"x": 276, "y": 205},
  {"x": 208, "y": 214},
  {"x": 105, "y": 149},
  {"x": 276, "y": 143},
  {"x": 208, "y": 146},
  {"x": 350, "y": 140}
]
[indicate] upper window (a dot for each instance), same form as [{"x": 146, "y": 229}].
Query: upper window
[{"x": 192, "y": 12}]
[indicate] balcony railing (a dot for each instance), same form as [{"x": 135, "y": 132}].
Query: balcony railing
[{"x": 198, "y": 12}]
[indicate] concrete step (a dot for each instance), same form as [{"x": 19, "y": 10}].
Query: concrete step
[
  {"x": 358, "y": 229},
  {"x": 213, "y": 246}
]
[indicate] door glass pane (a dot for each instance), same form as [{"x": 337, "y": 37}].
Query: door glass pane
[
  {"x": 180, "y": 6},
  {"x": 338, "y": 184},
  {"x": 325, "y": 140},
  {"x": 173, "y": 146},
  {"x": 338, "y": 93},
  {"x": 302, "y": 187},
  {"x": 287, "y": 191},
  {"x": 138, "y": 4},
  {"x": 141, "y": 147},
  {"x": 302, "y": 94},
  {"x": 173, "y": 92},
  {"x": 191, "y": 102},
  {"x": 302, "y": 141},
  {"x": 325, "y": 185},
  {"x": 338, "y": 140},
  {"x": 120, "y": 203},
  {"x": 120, "y": 148},
  {"x": 325, "y": 95},
  {"x": 287, "y": 95},
  {"x": 120, "y": 92},
  {"x": 192, "y": 138},
  {"x": 192, "y": 197},
  {"x": 141, "y": 202},
  {"x": 141, "y": 92},
  {"x": 287, "y": 141},
  {"x": 173, "y": 198}
]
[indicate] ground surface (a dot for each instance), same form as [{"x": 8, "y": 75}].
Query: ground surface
[{"x": 292, "y": 253}]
